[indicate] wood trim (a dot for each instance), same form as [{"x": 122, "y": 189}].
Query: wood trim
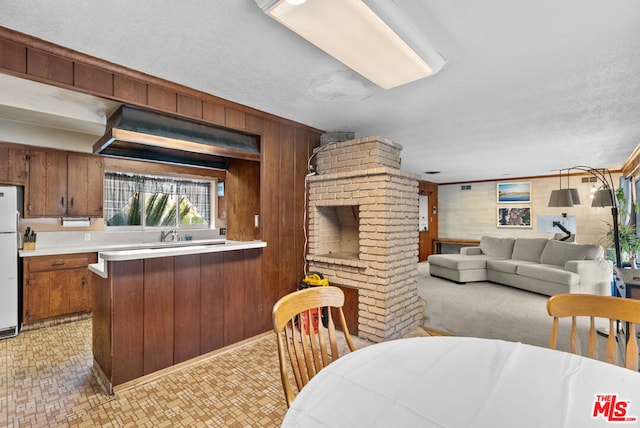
[{"x": 119, "y": 72}]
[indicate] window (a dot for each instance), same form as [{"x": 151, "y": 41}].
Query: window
[{"x": 167, "y": 202}]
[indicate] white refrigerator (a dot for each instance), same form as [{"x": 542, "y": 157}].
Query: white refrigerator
[{"x": 8, "y": 261}]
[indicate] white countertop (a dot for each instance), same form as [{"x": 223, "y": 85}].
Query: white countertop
[
  {"x": 94, "y": 247},
  {"x": 167, "y": 250}
]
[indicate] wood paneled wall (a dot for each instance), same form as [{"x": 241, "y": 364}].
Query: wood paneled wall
[{"x": 274, "y": 188}]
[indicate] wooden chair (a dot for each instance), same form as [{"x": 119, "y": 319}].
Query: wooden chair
[
  {"x": 301, "y": 346},
  {"x": 595, "y": 306}
]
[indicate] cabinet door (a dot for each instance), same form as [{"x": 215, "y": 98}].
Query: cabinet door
[
  {"x": 37, "y": 189},
  {"x": 59, "y": 290},
  {"x": 13, "y": 165},
  {"x": 36, "y": 297},
  {"x": 79, "y": 291},
  {"x": 56, "y": 184},
  {"x": 85, "y": 186},
  {"x": 47, "y": 188}
]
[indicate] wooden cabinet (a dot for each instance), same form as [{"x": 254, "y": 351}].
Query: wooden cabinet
[
  {"x": 13, "y": 164},
  {"x": 64, "y": 184},
  {"x": 153, "y": 313},
  {"x": 85, "y": 180},
  {"x": 56, "y": 286}
]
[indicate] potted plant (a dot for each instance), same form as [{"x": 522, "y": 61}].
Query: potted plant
[{"x": 627, "y": 234}]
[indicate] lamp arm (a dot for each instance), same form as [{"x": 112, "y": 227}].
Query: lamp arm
[{"x": 601, "y": 174}]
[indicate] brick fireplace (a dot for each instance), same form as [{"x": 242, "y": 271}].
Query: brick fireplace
[{"x": 363, "y": 232}]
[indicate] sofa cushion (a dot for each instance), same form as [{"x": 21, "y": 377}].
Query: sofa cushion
[
  {"x": 558, "y": 252},
  {"x": 497, "y": 247},
  {"x": 458, "y": 261},
  {"x": 529, "y": 249},
  {"x": 506, "y": 266},
  {"x": 548, "y": 272}
]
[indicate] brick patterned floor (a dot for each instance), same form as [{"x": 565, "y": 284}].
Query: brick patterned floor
[{"x": 46, "y": 381}]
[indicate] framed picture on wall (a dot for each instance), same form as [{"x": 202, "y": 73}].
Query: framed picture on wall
[
  {"x": 514, "y": 217},
  {"x": 514, "y": 193}
]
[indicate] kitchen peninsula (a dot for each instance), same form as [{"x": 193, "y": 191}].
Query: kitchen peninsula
[{"x": 157, "y": 307}]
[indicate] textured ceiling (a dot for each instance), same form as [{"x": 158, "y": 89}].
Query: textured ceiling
[{"x": 528, "y": 87}]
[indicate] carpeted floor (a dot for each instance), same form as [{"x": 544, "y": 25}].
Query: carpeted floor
[{"x": 493, "y": 311}]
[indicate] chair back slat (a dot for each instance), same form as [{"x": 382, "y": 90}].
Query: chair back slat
[
  {"x": 305, "y": 345},
  {"x": 594, "y": 306}
]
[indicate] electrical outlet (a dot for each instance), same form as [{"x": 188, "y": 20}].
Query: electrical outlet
[
  {"x": 87, "y": 236},
  {"x": 223, "y": 231}
]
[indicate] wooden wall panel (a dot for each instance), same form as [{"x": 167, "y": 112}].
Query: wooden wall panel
[
  {"x": 95, "y": 81},
  {"x": 289, "y": 277},
  {"x": 234, "y": 281},
  {"x": 13, "y": 57},
  {"x": 189, "y": 106},
  {"x": 235, "y": 118},
  {"x": 270, "y": 201},
  {"x": 158, "y": 313},
  {"x": 253, "y": 300},
  {"x": 161, "y": 99},
  {"x": 128, "y": 359},
  {"x": 213, "y": 113},
  {"x": 187, "y": 296},
  {"x": 101, "y": 323},
  {"x": 212, "y": 302},
  {"x": 49, "y": 67},
  {"x": 129, "y": 90}
]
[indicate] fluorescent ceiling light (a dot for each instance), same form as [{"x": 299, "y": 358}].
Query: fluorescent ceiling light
[{"x": 351, "y": 32}]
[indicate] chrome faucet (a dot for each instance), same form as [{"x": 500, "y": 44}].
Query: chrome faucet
[{"x": 164, "y": 234}]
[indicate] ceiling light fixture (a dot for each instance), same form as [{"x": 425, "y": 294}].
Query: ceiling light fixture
[
  {"x": 295, "y": 2},
  {"x": 372, "y": 37}
]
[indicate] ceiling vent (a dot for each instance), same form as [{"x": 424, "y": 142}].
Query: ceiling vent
[{"x": 137, "y": 133}]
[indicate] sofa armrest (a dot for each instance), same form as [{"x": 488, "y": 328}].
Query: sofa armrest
[
  {"x": 595, "y": 276},
  {"x": 471, "y": 251}
]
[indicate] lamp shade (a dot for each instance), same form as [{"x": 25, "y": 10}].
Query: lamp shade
[
  {"x": 564, "y": 198},
  {"x": 602, "y": 198}
]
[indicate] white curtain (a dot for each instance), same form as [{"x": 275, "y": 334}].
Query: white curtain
[{"x": 118, "y": 188}]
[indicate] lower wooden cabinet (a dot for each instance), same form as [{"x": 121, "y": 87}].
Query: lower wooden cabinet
[
  {"x": 56, "y": 285},
  {"x": 149, "y": 314}
]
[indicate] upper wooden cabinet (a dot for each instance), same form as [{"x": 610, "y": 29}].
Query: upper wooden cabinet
[
  {"x": 64, "y": 184},
  {"x": 13, "y": 164},
  {"x": 84, "y": 185}
]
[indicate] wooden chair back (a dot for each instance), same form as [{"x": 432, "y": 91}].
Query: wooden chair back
[
  {"x": 302, "y": 347},
  {"x": 595, "y": 306}
]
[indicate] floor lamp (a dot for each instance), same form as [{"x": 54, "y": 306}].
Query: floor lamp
[{"x": 604, "y": 197}]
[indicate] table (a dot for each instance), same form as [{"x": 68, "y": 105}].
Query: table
[{"x": 465, "y": 382}]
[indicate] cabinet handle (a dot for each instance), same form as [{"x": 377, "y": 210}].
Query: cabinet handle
[
  {"x": 62, "y": 201},
  {"x": 84, "y": 281},
  {"x": 57, "y": 264},
  {"x": 71, "y": 201}
]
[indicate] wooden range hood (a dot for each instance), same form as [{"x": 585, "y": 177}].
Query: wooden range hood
[{"x": 137, "y": 133}]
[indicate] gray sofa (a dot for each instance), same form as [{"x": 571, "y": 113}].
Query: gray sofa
[{"x": 544, "y": 266}]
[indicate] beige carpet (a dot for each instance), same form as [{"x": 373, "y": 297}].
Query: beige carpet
[{"x": 493, "y": 311}]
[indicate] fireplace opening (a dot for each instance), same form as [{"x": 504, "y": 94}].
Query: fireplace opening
[{"x": 339, "y": 231}]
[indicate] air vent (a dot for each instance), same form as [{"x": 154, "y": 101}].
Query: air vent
[
  {"x": 465, "y": 187},
  {"x": 589, "y": 179}
]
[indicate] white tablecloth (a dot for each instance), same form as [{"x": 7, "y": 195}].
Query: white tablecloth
[{"x": 464, "y": 382}]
